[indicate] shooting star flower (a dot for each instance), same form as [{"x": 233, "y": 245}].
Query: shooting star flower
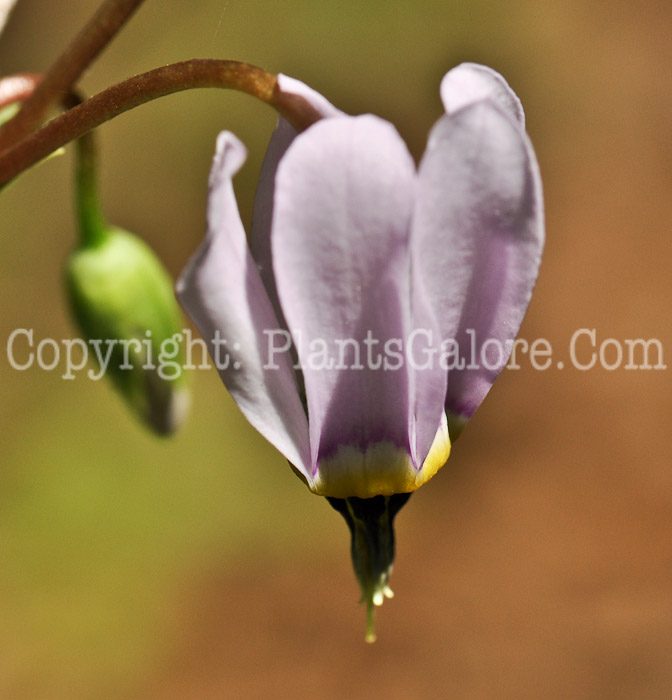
[{"x": 354, "y": 249}]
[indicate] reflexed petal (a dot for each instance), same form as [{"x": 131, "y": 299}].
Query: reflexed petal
[
  {"x": 262, "y": 214},
  {"x": 479, "y": 233},
  {"x": 343, "y": 204},
  {"x": 471, "y": 82},
  {"x": 222, "y": 292},
  {"x": 292, "y": 86}
]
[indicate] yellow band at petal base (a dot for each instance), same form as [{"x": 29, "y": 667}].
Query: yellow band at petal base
[{"x": 382, "y": 470}]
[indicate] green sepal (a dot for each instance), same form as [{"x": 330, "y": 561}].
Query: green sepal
[{"x": 8, "y": 112}]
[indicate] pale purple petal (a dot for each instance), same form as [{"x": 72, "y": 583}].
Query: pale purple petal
[
  {"x": 262, "y": 213},
  {"x": 292, "y": 86},
  {"x": 5, "y": 10},
  {"x": 343, "y": 202},
  {"x": 479, "y": 233},
  {"x": 471, "y": 82},
  {"x": 222, "y": 292},
  {"x": 428, "y": 378}
]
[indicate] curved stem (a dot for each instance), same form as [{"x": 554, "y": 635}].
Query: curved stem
[
  {"x": 15, "y": 88},
  {"x": 91, "y": 40},
  {"x": 197, "y": 73}
]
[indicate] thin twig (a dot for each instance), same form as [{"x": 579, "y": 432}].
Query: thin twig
[
  {"x": 91, "y": 40},
  {"x": 197, "y": 73}
]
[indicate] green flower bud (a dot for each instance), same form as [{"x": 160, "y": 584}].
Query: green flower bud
[{"x": 122, "y": 300}]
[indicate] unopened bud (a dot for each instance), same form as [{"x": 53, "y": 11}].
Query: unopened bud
[{"x": 122, "y": 299}]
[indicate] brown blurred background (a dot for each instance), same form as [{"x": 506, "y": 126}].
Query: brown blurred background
[{"x": 537, "y": 564}]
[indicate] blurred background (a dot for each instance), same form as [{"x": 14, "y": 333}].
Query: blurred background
[{"x": 537, "y": 564}]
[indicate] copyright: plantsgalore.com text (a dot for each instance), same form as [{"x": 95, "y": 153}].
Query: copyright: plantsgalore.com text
[{"x": 585, "y": 351}]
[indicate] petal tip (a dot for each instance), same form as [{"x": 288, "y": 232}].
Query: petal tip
[
  {"x": 472, "y": 82},
  {"x": 230, "y": 154}
]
